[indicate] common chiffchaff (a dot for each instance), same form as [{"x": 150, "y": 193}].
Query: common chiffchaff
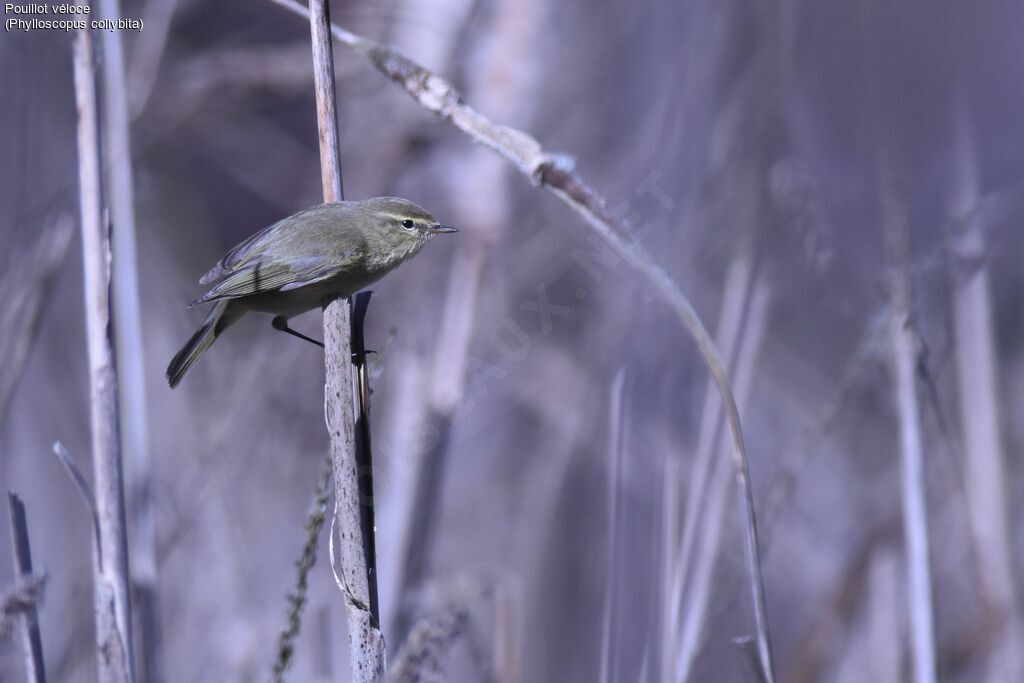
[{"x": 326, "y": 251}]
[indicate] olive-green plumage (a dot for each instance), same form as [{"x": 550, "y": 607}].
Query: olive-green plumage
[{"x": 291, "y": 267}]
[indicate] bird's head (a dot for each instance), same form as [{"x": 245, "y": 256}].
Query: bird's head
[{"x": 399, "y": 226}]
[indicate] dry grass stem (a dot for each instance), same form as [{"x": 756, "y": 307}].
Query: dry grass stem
[
  {"x": 701, "y": 565},
  {"x": 129, "y": 343},
  {"x": 904, "y": 349},
  {"x": 366, "y": 642},
  {"x": 977, "y": 373},
  {"x": 307, "y": 560},
  {"x": 425, "y": 654},
  {"x": 21, "y": 604},
  {"x": 111, "y": 575}
]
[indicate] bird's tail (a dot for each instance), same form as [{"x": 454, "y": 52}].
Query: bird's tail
[{"x": 221, "y": 316}]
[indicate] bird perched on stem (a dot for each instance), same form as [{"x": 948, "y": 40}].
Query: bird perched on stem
[{"x": 324, "y": 252}]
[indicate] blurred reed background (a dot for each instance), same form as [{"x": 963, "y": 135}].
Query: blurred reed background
[{"x": 579, "y": 509}]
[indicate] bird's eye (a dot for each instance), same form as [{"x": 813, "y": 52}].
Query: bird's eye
[{"x": 408, "y": 224}]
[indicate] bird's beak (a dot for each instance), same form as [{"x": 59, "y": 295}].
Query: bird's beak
[{"x": 442, "y": 228}]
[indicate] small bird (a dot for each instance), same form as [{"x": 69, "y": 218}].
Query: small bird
[{"x": 293, "y": 266}]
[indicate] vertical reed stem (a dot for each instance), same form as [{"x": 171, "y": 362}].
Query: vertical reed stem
[
  {"x": 366, "y": 643},
  {"x": 112, "y": 598}
]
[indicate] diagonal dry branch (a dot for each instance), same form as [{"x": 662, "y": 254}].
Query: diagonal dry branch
[{"x": 553, "y": 172}]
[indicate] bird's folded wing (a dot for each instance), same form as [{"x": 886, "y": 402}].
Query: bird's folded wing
[
  {"x": 238, "y": 256},
  {"x": 259, "y": 278},
  {"x": 257, "y": 246}
]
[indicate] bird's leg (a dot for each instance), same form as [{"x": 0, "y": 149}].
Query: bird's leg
[{"x": 281, "y": 323}]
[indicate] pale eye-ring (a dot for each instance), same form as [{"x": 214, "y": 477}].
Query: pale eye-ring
[{"x": 408, "y": 224}]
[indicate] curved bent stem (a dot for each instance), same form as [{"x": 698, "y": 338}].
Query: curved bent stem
[{"x": 554, "y": 173}]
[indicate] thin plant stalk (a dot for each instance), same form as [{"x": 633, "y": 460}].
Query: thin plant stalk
[
  {"x": 668, "y": 612},
  {"x": 505, "y": 660},
  {"x": 112, "y": 599},
  {"x": 428, "y": 649},
  {"x": 32, "y": 643},
  {"x": 735, "y": 300},
  {"x": 129, "y": 343},
  {"x": 875, "y": 648},
  {"x": 980, "y": 406},
  {"x": 402, "y": 437},
  {"x": 366, "y": 643},
  {"x": 903, "y": 348},
  {"x": 712, "y": 517},
  {"x": 298, "y": 597},
  {"x": 680, "y": 564},
  {"x": 616, "y": 457}
]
